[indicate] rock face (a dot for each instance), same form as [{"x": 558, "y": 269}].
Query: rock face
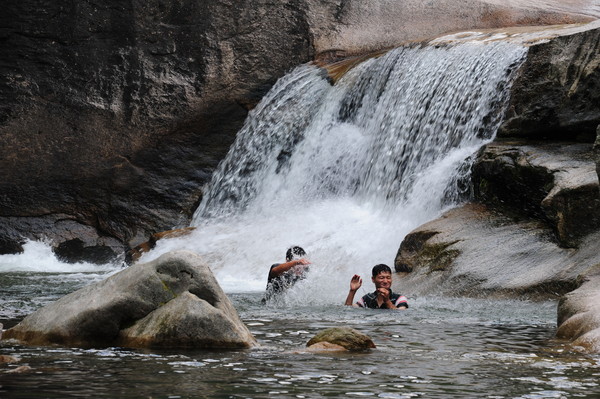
[
  {"x": 579, "y": 314},
  {"x": 474, "y": 250},
  {"x": 556, "y": 183},
  {"x": 557, "y": 93},
  {"x": 173, "y": 301},
  {"x": 114, "y": 115},
  {"x": 597, "y": 151},
  {"x": 344, "y": 337},
  {"x": 537, "y": 202},
  {"x": 540, "y": 200}
]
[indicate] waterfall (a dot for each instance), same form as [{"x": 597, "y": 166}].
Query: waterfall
[
  {"x": 347, "y": 170},
  {"x": 371, "y": 135}
]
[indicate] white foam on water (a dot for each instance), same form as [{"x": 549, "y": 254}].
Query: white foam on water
[{"x": 37, "y": 256}]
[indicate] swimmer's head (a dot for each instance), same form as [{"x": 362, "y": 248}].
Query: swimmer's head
[
  {"x": 380, "y": 268},
  {"x": 294, "y": 253}
]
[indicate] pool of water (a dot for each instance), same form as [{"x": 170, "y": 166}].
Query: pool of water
[{"x": 439, "y": 348}]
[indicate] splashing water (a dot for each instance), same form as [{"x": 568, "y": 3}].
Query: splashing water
[{"x": 346, "y": 171}]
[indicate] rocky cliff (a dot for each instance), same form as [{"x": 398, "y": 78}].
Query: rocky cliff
[{"x": 113, "y": 115}]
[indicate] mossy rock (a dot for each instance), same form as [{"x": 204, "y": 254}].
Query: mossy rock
[{"x": 345, "y": 337}]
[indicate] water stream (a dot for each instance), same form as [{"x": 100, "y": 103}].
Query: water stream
[{"x": 345, "y": 171}]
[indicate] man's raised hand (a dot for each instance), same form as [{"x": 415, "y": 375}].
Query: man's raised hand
[{"x": 355, "y": 283}]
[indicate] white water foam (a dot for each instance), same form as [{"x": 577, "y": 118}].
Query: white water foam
[{"x": 38, "y": 257}]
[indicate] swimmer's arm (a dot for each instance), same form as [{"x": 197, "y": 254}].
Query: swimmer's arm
[
  {"x": 284, "y": 267},
  {"x": 355, "y": 284}
]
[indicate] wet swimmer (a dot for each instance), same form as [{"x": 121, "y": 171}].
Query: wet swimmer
[
  {"x": 284, "y": 275},
  {"x": 382, "y": 297}
]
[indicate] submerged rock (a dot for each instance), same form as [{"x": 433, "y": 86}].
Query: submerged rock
[
  {"x": 19, "y": 370},
  {"x": 579, "y": 314},
  {"x": 8, "y": 359},
  {"x": 340, "y": 337},
  {"x": 173, "y": 301}
]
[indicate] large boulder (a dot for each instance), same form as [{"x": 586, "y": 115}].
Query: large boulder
[
  {"x": 475, "y": 250},
  {"x": 579, "y": 314},
  {"x": 172, "y": 301},
  {"x": 113, "y": 116}
]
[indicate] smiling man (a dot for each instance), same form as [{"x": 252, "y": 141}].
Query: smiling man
[{"x": 382, "y": 297}]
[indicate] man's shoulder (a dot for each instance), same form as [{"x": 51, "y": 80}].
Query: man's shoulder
[{"x": 270, "y": 275}]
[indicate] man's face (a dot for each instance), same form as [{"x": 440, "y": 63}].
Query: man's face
[{"x": 382, "y": 280}]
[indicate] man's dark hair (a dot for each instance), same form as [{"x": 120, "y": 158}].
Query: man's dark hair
[
  {"x": 381, "y": 268},
  {"x": 293, "y": 252}
]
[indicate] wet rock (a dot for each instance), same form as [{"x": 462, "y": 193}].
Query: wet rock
[
  {"x": 19, "y": 370},
  {"x": 579, "y": 314},
  {"x": 414, "y": 253},
  {"x": 556, "y": 183},
  {"x": 326, "y": 347},
  {"x": 172, "y": 301},
  {"x": 597, "y": 151},
  {"x": 345, "y": 337},
  {"x": 556, "y": 95},
  {"x": 71, "y": 240},
  {"x": 135, "y": 253},
  {"x": 188, "y": 321},
  {"x": 492, "y": 255},
  {"x": 8, "y": 359}
]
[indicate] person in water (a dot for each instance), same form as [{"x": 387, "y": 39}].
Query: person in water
[
  {"x": 284, "y": 275},
  {"x": 382, "y": 297}
]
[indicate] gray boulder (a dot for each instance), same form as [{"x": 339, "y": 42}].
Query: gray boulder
[
  {"x": 579, "y": 314},
  {"x": 173, "y": 301}
]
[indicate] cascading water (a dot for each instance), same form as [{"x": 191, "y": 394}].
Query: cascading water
[{"x": 346, "y": 171}]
